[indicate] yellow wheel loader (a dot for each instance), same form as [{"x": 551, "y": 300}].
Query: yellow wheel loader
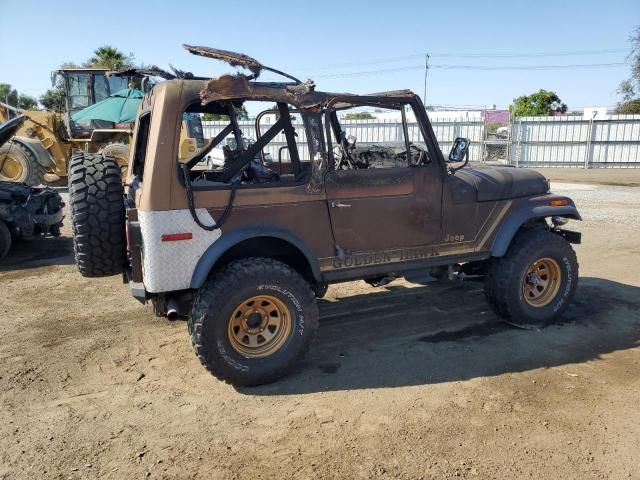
[{"x": 40, "y": 150}]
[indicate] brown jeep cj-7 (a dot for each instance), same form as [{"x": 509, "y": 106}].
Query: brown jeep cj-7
[{"x": 244, "y": 249}]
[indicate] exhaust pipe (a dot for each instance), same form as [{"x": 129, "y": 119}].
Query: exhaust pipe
[{"x": 172, "y": 309}]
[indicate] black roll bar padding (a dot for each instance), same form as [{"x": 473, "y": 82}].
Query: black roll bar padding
[
  {"x": 250, "y": 153},
  {"x": 214, "y": 141},
  {"x": 405, "y": 131},
  {"x": 233, "y": 119},
  {"x": 335, "y": 127},
  {"x": 290, "y": 133}
]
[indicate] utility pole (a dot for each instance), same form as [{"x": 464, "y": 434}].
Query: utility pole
[{"x": 426, "y": 71}]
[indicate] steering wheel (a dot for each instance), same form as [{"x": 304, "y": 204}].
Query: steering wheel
[
  {"x": 421, "y": 154},
  {"x": 341, "y": 160}
]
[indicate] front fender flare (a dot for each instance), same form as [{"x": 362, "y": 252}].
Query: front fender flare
[
  {"x": 515, "y": 220},
  {"x": 228, "y": 240}
]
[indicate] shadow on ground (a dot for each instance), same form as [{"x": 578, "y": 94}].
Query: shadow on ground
[
  {"x": 38, "y": 252},
  {"x": 401, "y": 336}
]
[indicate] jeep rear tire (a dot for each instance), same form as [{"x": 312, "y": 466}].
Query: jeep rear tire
[
  {"x": 96, "y": 199},
  {"x": 19, "y": 164},
  {"x": 5, "y": 239},
  {"x": 534, "y": 282},
  {"x": 253, "y": 321}
]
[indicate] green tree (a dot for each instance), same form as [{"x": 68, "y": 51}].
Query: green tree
[
  {"x": 8, "y": 95},
  {"x": 53, "y": 99},
  {"x": 630, "y": 89},
  {"x": 27, "y": 102},
  {"x": 359, "y": 116},
  {"x": 12, "y": 97},
  {"x": 110, "y": 58},
  {"x": 241, "y": 113},
  {"x": 629, "y": 107},
  {"x": 542, "y": 102}
]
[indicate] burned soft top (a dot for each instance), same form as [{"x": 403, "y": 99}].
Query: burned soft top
[
  {"x": 237, "y": 60},
  {"x": 232, "y": 58}
]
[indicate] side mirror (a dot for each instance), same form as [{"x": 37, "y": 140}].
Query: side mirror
[{"x": 459, "y": 150}]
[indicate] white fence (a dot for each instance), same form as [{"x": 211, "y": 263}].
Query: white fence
[
  {"x": 613, "y": 141},
  {"x": 568, "y": 141}
]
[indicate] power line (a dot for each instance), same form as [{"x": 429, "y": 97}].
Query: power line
[
  {"x": 532, "y": 54},
  {"x": 531, "y": 67},
  {"x": 471, "y": 67},
  {"x": 477, "y": 55}
]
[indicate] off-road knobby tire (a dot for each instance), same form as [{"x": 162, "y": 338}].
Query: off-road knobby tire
[
  {"x": 216, "y": 301},
  {"x": 32, "y": 171},
  {"x": 5, "y": 239},
  {"x": 96, "y": 198},
  {"x": 504, "y": 280}
]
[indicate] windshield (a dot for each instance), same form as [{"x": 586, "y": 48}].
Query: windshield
[
  {"x": 116, "y": 84},
  {"x": 78, "y": 85},
  {"x": 100, "y": 88}
]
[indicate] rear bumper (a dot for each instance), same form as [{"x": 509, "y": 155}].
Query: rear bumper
[
  {"x": 137, "y": 288},
  {"x": 138, "y": 292}
]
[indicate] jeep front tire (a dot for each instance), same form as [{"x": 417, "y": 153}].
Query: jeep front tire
[
  {"x": 96, "y": 198},
  {"x": 534, "y": 282},
  {"x": 253, "y": 321}
]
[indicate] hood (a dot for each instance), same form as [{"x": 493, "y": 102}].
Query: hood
[{"x": 499, "y": 183}]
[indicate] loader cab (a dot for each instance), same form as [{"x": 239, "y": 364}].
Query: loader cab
[{"x": 84, "y": 87}]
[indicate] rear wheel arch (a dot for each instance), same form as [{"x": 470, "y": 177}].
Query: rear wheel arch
[{"x": 276, "y": 243}]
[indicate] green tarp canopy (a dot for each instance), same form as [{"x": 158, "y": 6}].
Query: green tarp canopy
[{"x": 121, "y": 107}]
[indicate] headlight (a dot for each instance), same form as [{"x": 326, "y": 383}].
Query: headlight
[{"x": 558, "y": 221}]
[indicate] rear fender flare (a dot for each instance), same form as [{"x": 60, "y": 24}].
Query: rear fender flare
[
  {"x": 227, "y": 240},
  {"x": 515, "y": 220}
]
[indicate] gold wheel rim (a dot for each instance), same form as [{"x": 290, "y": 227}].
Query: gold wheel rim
[
  {"x": 259, "y": 326},
  {"x": 12, "y": 168},
  {"x": 541, "y": 282}
]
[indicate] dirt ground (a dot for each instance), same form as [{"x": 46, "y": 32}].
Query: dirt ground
[
  {"x": 629, "y": 177},
  {"x": 404, "y": 381}
]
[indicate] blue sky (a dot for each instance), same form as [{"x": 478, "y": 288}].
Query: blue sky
[{"x": 334, "y": 41}]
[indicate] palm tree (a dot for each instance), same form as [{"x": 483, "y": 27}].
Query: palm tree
[{"x": 111, "y": 58}]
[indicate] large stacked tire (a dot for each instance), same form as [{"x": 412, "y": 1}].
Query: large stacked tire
[
  {"x": 19, "y": 164},
  {"x": 119, "y": 152},
  {"x": 259, "y": 290},
  {"x": 534, "y": 282},
  {"x": 96, "y": 199}
]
